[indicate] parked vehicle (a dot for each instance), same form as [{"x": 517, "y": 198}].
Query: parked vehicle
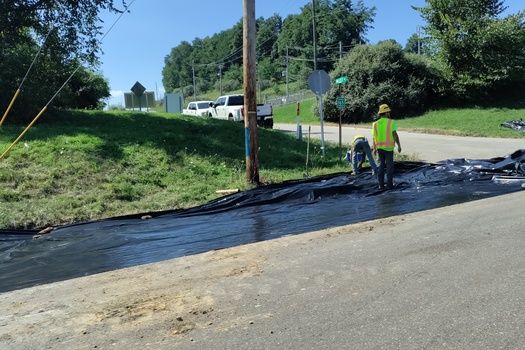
[
  {"x": 231, "y": 107},
  {"x": 197, "y": 108}
]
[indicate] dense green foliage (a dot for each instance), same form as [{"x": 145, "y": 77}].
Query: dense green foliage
[
  {"x": 480, "y": 54},
  {"x": 378, "y": 74},
  {"x": 66, "y": 33},
  {"x": 281, "y": 44},
  {"x": 469, "y": 54}
]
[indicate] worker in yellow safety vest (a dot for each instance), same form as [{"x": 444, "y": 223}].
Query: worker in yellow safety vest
[{"x": 385, "y": 140}]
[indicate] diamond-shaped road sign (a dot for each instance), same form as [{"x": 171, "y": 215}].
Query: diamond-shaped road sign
[{"x": 138, "y": 89}]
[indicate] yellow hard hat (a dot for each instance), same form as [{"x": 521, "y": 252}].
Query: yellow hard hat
[{"x": 384, "y": 108}]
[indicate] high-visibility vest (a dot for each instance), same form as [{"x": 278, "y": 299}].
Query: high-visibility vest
[{"x": 383, "y": 134}]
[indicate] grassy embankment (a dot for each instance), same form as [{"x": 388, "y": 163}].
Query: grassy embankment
[
  {"x": 92, "y": 165},
  {"x": 462, "y": 122}
]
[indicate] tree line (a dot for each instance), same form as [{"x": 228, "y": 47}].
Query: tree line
[
  {"x": 42, "y": 43},
  {"x": 468, "y": 52},
  {"x": 282, "y": 46}
]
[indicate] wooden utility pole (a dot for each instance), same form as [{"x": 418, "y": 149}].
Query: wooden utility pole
[
  {"x": 194, "y": 85},
  {"x": 250, "y": 97}
]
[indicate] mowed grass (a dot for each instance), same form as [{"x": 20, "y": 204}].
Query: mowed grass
[
  {"x": 482, "y": 122},
  {"x": 288, "y": 114},
  {"x": 467, "y": 122},
  {"x": 88, "y": 165}
]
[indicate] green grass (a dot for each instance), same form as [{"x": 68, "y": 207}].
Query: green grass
[
  {"x": 481, "y": 122},
  {"x": 90, "y": 165},
  {"x": 466, "y": 122},
  {"x": 288, "y": 114}
]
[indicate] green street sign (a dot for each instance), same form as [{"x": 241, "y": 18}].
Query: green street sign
[
  {"x": 341, "y": 80},
  {"x": 340, "y": 102}
]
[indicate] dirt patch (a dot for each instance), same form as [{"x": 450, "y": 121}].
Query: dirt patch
[
  {"x": 172, "y": 298},
  {"x": 176, "y": 297}
]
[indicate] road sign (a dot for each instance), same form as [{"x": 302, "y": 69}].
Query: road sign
[
  {"x": 341, "y": 80},
  {"x": 138, "y": 89},
  {"x": 319, "y": 82},
  {"x": 147, "y": 100},
  {"x": 340, "y": 102}
]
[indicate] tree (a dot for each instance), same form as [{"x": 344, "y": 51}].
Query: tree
[
  {"x": 338, "y": 22},
  {"x": 75, "y": 24},
  {"x": 268, "y": 71},
  {"x": 71, "y": 29},
  {"x": 480, "y": 54},
  {"x": 413, "y": 44},
  {"x": 85, "y": 91},
  {"x": 267, "y": 34},
  {"x": 177, "y": 71}
]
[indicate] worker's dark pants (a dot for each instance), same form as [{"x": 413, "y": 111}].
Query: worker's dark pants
[
  {"x": 362, "y": 146},
  {"x": 386, "y": 161}
]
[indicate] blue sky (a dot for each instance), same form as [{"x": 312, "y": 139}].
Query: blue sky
[{"x": 135, "y": 47}]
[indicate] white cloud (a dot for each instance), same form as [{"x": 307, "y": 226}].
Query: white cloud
[{"x": 116, "y": 98}]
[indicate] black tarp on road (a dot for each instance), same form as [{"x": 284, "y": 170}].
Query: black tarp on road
[{"x": 264, "y": 213}]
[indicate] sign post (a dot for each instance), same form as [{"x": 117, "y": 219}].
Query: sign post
[
  {"x": 299, "y": 129},
  {"x": 319, "y": 83},
  {"x": 341, "y": 103},
  {"x": 138, "y": 89}
]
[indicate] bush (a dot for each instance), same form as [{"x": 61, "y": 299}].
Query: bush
[{"x": 378, "y": 74}]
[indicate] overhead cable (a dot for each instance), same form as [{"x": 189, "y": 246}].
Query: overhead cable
[
  {"x": 25, "y": 77},
  {"x": 60, "y": 89}
]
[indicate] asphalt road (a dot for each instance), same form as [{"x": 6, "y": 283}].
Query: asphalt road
[
  {"x": 449, "y": 278},
  {"x": 425, "y": 147}
]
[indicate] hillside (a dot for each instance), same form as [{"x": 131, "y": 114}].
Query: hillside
[{"x": 91, "y": 165}]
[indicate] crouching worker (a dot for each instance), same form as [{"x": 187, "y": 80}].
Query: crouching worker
[{"x": 360, "y": 145}]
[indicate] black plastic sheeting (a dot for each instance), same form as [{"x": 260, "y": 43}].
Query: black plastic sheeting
[
  {"x": 518, "y": 125},
  {"x": 264, "y": 213}
]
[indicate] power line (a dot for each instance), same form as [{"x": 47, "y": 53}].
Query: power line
[
  {"x": 60, "y": 89},
  {"x": 24, "y": 79}
]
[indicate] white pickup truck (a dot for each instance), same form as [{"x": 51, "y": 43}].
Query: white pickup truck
[
  {"x": 231, "y": 107},
  {"x": 197, "y": 108}
]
